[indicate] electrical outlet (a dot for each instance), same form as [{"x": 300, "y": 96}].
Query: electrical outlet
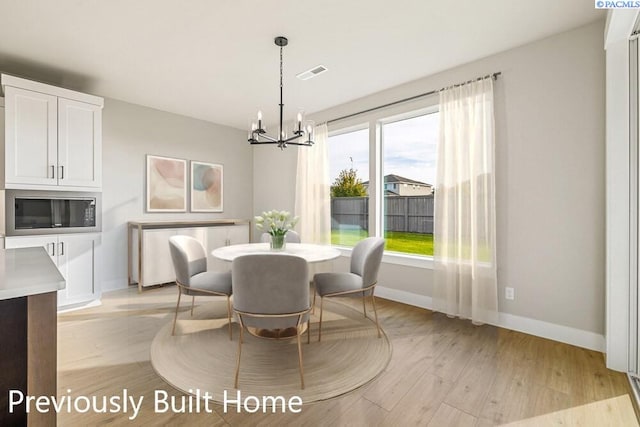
[{"x": 509, "y": 293}]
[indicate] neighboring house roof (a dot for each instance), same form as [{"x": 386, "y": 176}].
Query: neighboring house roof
[{"x": 392, "y": 178}]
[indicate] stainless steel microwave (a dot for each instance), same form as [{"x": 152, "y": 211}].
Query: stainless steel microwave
[{"x": 30, "y": 212}]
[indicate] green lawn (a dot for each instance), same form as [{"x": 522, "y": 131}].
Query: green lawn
[
  {"x": 413, "y": 243},
  {"x": 408, "y": 243}
]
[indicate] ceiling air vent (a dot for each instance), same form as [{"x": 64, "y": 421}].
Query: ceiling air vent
[{"x": 306, "y": 75}]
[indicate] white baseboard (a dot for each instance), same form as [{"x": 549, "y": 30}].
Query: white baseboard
[
  {"x": 539, "y": 328},
  {"x": 404, "y": 297},
  {"x": 565, "y": 334}
]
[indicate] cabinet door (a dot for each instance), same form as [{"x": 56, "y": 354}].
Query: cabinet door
[
  {"x": 216, "y": 237},
  {"x": 76, "y": 262},
  {"x": 48, "y": 242},
  {"x": 79, "y": 144},
  {"x": 238, "y": 234},
  {"x": 224, "y": 236},
  {"x": 31, "y": 133},
  {"x": 157, "y": 266}
]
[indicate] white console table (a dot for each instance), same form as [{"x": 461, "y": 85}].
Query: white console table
[{"x": 148, "y": 245}]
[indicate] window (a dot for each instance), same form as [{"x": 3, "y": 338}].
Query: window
[
  {"x": 409, "y": 149},
  {"x": 405, "y": 149},
  {"x": 349, "y": 171}
]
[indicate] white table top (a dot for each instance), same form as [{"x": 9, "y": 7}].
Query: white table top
[
  {"x": 27, "y": 271},
  {"x": 312, "y": 253}
]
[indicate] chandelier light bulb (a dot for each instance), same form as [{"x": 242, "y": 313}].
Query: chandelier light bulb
[
  {"x": 259, "y": 119},
  {"x": 299, "y": 124}
]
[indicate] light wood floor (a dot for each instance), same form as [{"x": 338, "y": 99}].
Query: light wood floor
[{"x": 444, "y": 372}]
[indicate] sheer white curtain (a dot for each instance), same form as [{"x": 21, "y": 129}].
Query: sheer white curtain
[
  {"x": 465, "y": 216},
  {"x": 313, "y": 204}
]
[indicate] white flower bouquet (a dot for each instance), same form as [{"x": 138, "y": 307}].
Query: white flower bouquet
[{"x": 276, "y": 223}]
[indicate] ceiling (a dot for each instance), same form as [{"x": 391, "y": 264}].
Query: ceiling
[{"x": 216, "y": 60}]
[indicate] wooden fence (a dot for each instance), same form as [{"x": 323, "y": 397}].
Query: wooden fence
[{"x": 413, "y": 214}]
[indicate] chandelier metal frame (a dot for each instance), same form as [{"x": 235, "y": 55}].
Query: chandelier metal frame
[{"x": 258, "y": 135}]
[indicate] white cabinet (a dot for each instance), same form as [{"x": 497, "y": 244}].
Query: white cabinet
[
  {"x": 53, "y": 137},
  {"x": 150, "y": 254},
  {"x": 75, "y": 255},
  {"x": 79, "y": 144},
  {"x": 31, "y": 134},
  {"x": 77, "y": 263}
]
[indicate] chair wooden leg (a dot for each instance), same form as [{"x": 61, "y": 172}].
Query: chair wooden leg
[
  {"x": 239, "y": 354},
  {"x": 299, "y": 357},
  {"x": 309, "y": 331},
  {"x": 313, "y": 305},
  {"x": 193, "y": 301},
  {"x": 175, "y": 317},
  {"x": 320, "y": 324},
  {"x": 375, "y": 312},
  {"x": 364, "y": 305},
  {"x": 229, "y": 317}
]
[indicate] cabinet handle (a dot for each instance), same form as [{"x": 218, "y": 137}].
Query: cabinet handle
[
  {"x": 61, "y": 172},
  {"x": 61, "y": 248},
  {"x": 53, "y": 249},
  {"x": 53, "y": 171}
]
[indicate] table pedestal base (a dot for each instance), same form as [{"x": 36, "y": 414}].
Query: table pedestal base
[{"x": 276, "y": 334}]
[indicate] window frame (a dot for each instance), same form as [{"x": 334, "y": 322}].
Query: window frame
[{"x": 374, "y": 122}]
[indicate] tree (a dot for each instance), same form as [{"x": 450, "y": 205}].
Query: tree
[{"x": 347, "y": 184}]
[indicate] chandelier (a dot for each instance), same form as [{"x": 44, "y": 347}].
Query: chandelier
[{"x": 302, "y": 133}]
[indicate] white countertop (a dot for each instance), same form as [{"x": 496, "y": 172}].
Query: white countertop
[
  {"x": 312, "y": 253},
  {"x": 27, "y": 271}
]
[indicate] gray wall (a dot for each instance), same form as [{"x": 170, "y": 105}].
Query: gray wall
[
  {"x": 549, "y": 112},
  {"x": 130, "y": 132}
]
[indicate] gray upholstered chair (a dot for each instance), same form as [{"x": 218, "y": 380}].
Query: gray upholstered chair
[
  {"x": 291, "y": 237},
  {"x": 270, "y": 291},
  {"x": 365, "y": 263},
  {"x": 192, "y": 278}
]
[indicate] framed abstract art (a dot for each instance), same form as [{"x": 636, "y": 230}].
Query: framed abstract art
[
  {"x": 206, "y": 187},
  {"x": 166, "y": 184}
]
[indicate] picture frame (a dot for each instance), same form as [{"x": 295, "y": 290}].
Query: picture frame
[
  {"x": 207, "y": 187},
  {"x": 166, "y": 184}
]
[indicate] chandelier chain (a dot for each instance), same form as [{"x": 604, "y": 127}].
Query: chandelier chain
[{"x": 280, "y": 71}]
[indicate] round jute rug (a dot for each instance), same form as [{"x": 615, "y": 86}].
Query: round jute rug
[{"x": 200, "y": 357}]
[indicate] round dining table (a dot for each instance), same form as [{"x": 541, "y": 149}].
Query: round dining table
[{"x": 310, "y": 252}]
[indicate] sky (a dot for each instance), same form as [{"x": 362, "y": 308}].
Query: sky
[{"x": 409, "y": 148}]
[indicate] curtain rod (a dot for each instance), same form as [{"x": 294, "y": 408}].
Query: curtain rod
[{"x": 411, "y": 98}]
